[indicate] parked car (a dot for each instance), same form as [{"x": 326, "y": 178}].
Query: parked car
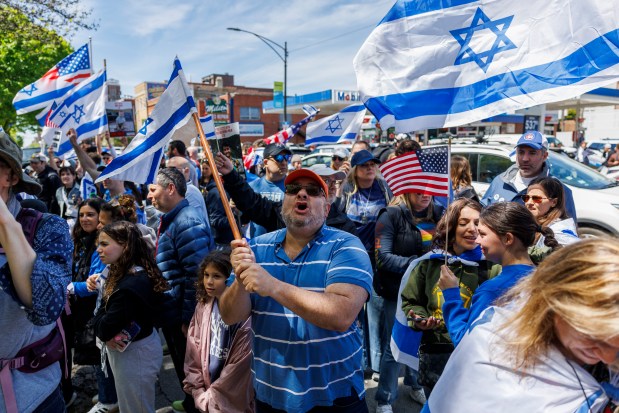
[
  {"x": 596, "y": 197},
  {"x": 316, "y": 158}
]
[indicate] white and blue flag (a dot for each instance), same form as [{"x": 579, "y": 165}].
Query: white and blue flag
[
  {"x": 343, "y": 126},
  {"x": 82, "y": 109},
  {"x": 54, "y": 84},
  {"x": 441, "y": 63},
  {"x": 170, "y": 118},
  {"x": 87, "y": 187},
  {"x": 208, "y": 126}
]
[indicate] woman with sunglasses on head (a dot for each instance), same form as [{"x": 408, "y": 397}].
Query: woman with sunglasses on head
[
  {"x": 546, "y": 201},
  {"x": 534, "y": 351},
  {"x": 455, "y": 236},
  {"x": 68, "y": 195},
  {"x": 506, "y": 231}
]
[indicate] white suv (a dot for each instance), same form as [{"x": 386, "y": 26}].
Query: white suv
[{"x": 595, "y": 196}]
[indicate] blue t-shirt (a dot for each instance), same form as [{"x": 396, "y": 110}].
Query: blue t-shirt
[
  {"x": 363, "y": 210},
  {"x": 296, "y": 364},
  {"x": 459, "y": 319},
  {"x": 273, "y": 191}
]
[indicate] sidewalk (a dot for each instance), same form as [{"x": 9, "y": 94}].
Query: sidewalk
[{"x": 168, "y": 390}]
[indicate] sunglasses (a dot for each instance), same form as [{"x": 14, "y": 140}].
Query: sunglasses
[
  {"x": 336, "y": 158},
  {"x": 536, "y": 198},
  {"x": 311, "y": 190},
  {"x": 280, "y": 158}
]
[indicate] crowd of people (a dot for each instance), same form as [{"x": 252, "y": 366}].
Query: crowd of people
[{"x": 513, "y": 311}]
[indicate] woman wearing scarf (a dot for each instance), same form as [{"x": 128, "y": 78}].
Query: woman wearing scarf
[{"x": 421, "y": 296}]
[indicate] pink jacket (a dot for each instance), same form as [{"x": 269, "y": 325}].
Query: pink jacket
[{"x": 233, "y": 391}]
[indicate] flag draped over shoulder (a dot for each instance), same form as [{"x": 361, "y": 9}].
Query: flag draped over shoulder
[
  {"x": 425, "y": 171},
  {"x": 139, "y": 162},
  {"x": 82, "y": 109},
  {"x": 431, "y": 64},
  {"x": 340, "y": 127},
  {"x": 58, "y": 80},
  {"x": 251, "y": 158}
]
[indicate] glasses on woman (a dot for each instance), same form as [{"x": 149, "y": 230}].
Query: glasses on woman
[
  {"x": 337, "y": 158},
  {"x": 280, "y": 158},
  {"x": 536, "y": 198},
  {"x": 310, "y": 189}
]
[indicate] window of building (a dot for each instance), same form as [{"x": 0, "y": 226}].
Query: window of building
[{"x": 250, "y": 113}]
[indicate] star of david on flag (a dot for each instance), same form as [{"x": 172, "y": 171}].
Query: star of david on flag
[
  {"x": 170, "y": 120},
  {"x": 432, "y": 64},
  {"x": 340, "y": 127},
  {"x": 82, "y": 109},
  {"x": 54, "y": 84}
]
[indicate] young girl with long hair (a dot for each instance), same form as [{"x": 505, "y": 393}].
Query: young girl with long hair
[
  {"x": 218, "y": 357},
  {"x": 131, "y": 297},
  {"x": 506, "y": 231}
]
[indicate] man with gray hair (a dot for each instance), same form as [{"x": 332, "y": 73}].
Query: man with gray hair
[
  {"x": 184, "y": 240},
  {"x": 193, "y": 194}
]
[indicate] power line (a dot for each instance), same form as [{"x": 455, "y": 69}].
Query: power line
[{"x": 332, "y": 38}]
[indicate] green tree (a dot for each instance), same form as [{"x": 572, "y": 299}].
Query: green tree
[{"x": 26, "y": 53}]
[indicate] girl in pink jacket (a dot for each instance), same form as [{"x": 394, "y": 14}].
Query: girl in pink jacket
[{"x": 218, "y": 357}]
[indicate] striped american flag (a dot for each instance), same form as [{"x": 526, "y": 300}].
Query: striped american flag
[{"x": 425, "y": 171}]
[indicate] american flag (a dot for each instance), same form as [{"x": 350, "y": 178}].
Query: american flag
[
  {"x": 250, "y": 159},
  {"x": 55, "y": 83},
  {"x": 425, "y": 171}
]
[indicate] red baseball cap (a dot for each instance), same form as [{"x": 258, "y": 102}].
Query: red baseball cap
[{"x": 306, "y": 173}]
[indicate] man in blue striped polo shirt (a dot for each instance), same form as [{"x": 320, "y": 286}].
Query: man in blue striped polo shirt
[{"x": 304, "y": 286}]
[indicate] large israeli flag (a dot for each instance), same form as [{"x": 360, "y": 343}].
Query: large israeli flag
[
  {"x": 442, "y": 63},
  {"x": 171, "y": 117},
  {"x": 82, "y": 109},
  {"x": 340, "y": 127}
]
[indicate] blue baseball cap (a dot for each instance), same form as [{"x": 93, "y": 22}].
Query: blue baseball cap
[
  {"x": 363, "y": 156},
  {"x": 533, "y": 139}
]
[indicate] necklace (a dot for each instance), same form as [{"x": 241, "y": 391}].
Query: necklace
[{"x": 581, "y": 386}]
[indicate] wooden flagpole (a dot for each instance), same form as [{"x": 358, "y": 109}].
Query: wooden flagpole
[
  {"x": 448, "y": 197},
  {"x": 220, "y": 186}
]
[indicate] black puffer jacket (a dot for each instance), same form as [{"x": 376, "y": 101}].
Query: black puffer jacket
[{"x": 398, "y": 243}]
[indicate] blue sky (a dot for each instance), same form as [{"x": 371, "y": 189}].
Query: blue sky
[{"x": 140, "y": 39}]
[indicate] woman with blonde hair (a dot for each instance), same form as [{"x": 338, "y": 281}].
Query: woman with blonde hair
[
  {"x": 534, "y": 351},
  {"x": 461, "y": 178}
]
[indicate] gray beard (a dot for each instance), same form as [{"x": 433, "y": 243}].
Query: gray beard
[{"x": 310, "y": 221}]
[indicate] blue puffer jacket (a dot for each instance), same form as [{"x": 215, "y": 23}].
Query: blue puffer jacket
[{"x": 184, "y": 240}]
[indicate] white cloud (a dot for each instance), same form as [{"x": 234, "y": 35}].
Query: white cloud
[{"x": 140, "y": 41}]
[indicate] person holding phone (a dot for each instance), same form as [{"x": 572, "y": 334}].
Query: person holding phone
[
  {"x": 456, "y": 236},
  {"x": 132, "y": 293}
]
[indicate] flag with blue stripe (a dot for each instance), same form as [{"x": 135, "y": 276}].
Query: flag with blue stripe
[
  {"x": 340, "y": 127},
  {"x": 170, "y": 118},
  {"x": 87, "y": 187},
  {"x": 439, "y": 63},
  {"x": 58, "y": 81},
  {"x": 82, "y": 109},
  {"x": 208, "y": 126}
]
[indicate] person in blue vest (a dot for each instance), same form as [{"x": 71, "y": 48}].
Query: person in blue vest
[
  {"x": 531, "y": 163},
  {"x": 303, "y": 286}
]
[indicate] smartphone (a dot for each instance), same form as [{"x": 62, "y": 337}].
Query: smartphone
[
  {"x": 416, "y": 319},
  {"x": 130, "y": 332}
]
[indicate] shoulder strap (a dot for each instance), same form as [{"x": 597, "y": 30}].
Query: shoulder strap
[{"x": 29, "y": 219}]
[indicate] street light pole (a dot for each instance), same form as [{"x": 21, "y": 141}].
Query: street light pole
[{"x": 283, "y": 58}]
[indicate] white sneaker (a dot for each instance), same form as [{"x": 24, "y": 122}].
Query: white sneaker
[
  {"x": 418, "y": 396},
  {"x": 384, "y": 408},
  {"x": 104, "y": 408}
]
